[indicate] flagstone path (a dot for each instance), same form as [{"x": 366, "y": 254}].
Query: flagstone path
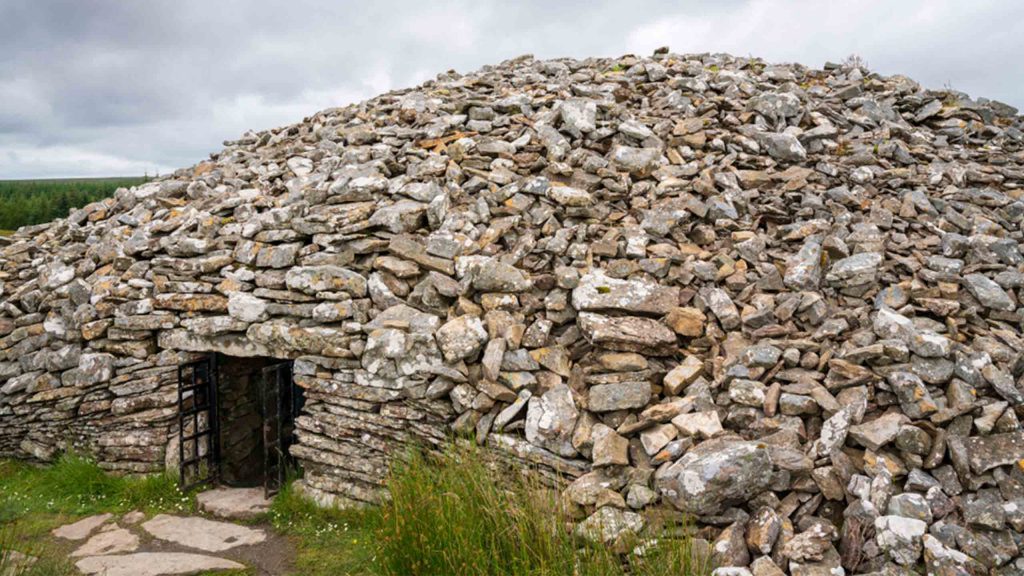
[{"x": 166, "y": 545}]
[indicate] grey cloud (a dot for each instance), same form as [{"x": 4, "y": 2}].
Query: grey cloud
[{"x": 104, "y": 86}]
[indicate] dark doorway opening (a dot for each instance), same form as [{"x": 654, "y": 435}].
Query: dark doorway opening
[
  {"x": 238, "y": 415},
  {"x": 241, "y": 420}
]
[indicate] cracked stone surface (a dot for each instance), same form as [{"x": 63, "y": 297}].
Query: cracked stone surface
[
  {"x": 234, "y": 503},
  {"x": 154, "y": 564},
  {"x": 83, "y": 528},
  {"x": 169, "y": 545},
  {"x": 114, "y": 541},
  {"x": 202, "y": 534}
]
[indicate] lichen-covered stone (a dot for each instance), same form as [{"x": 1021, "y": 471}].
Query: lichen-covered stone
[
  {"x": 551, "y": 419},
  {"x": 716, "y": 474},
  {"x": 619, "y": 396},
  {"x": 314, "y": 279},
  {"x": 628, "y": 333},
  {"x": 597, "y": 292},
  {"x": 461, "y": 338},
  {"x": 900, "y": 538},
  {"x": 608, "y": 524}
]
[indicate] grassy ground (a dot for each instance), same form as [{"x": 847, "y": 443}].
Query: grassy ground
[
  {"x": 453, "y": 515},
  {"x": 329, "y": 542},
  {"x": 34, "y": 500},
  {"x": 447, "y": 515}
]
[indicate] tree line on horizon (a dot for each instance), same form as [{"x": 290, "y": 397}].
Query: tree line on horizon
[{"x": 26, "y": 202}]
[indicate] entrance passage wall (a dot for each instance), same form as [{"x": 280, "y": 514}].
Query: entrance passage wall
[{"x": 241, "y": 420}]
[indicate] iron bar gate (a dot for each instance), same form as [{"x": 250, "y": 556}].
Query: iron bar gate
[
  {"x": 198, "y": 424},
  {"x": 279, "y": 410}
]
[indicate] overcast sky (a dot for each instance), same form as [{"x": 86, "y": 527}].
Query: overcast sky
[{"x": 123, "y": 87}]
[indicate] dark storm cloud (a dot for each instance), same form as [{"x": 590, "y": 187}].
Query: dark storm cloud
[{"x": 111, "y": 87}]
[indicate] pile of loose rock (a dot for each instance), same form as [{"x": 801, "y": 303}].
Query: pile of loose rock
[{"x": 781, "y": 300}]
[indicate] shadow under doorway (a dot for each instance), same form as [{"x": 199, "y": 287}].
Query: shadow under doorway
[{"x": 244, "y": 410}]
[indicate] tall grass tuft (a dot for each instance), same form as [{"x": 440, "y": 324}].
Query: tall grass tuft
[
  {"x": 448, "y": 515},
  {"x": 452, "y": 514},
  {"x": 17, "y": 559},
  {"x": 12, "y": 563}
]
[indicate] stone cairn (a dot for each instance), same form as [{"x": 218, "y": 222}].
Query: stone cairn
[{"x": 780, "y": 300}]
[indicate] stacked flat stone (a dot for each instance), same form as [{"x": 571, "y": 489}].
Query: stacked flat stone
[{"x": 778, "y": 299}]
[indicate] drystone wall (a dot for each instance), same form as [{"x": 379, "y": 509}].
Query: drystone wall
[{"x": 778, "y": 299}]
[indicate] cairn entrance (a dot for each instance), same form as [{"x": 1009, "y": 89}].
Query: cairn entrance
[{"x": 237, "y": 417}]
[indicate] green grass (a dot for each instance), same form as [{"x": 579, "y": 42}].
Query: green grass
[
  {"x": 46, "y": 563},
  {"x": 329, "y": 541},
  {"x": 456, "y": 518},
  {"x": 76, "y": 486},
  {"x": 36, "y": 499},
  {"x": 452, "y": 514},
  {"x": 25, "y": 202},
  {"x": 448, "y": 514}
]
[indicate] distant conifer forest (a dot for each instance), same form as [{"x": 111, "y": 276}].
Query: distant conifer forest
[{"x": 24, "y": 202}]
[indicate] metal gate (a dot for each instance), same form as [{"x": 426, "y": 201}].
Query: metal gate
[
  {"x": 279, "y": 410},
  {"x": 198, "y": 434}
]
